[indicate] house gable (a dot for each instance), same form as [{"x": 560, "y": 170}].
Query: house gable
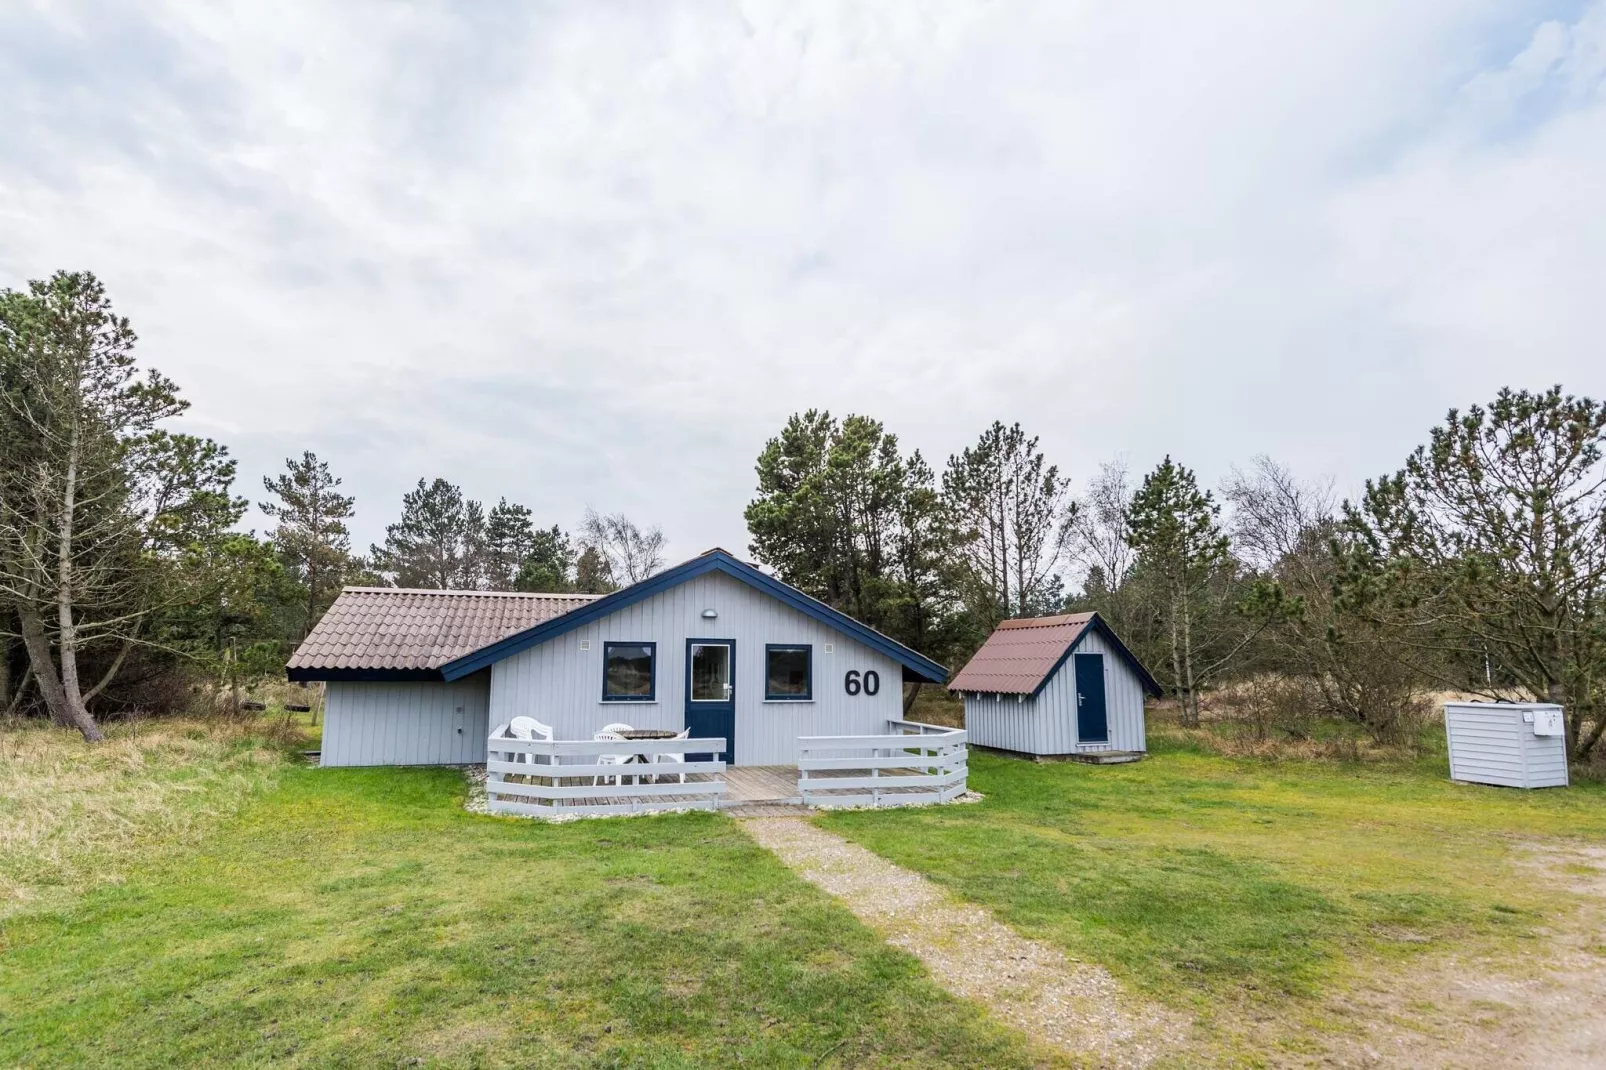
[
  {"x": 1150, "y": 684},
  {"x": 1023, "y": 655},
  {"x": 915, "y": 666},
  {"x": 561, "y": 682}
]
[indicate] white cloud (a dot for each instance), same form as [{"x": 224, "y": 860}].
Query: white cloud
[{"x": 597, "y": 254}]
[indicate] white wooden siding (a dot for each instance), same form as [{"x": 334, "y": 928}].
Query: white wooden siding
[
  {"x": 406, "y": 723},
  {"x": 1490, "y": 743},
  {"x": 1047, "y": 724},
  {"x": 559, "y": 683},
  {"x": 1006, "y": 722}
]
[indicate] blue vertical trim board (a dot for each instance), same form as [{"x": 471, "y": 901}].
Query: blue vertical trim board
[
  {"x": 808, "y": 654},
  {"x": 652, "y": 689},
  {"x": 916, "y": 665}
]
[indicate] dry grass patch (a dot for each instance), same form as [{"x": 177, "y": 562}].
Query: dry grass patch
[{"x": 74, "y": 814}]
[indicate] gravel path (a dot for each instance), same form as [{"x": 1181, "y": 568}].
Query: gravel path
[{"x": 1073, "y": 1006}]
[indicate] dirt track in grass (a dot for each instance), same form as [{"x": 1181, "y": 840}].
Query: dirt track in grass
[
  {"x": 1297, "y": 913},
  {"x": 1454, "y": 1012},
  {"x": 1543, "y": 1011},
  {"x": 1073, "y": 1007}
]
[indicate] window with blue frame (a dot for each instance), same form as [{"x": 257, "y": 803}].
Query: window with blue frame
[
  {"x": 788, "y": 672},
  {"x": 628, "y": 671}
]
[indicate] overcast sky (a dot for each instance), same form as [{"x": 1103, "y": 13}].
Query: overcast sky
[{"x": 595, "y": 253}]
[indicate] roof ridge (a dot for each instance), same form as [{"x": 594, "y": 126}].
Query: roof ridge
[
  {"x": 481, "y": 594},
  {"x": 1056, "y": 620}
]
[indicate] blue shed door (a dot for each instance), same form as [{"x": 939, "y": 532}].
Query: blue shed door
[
  {"x": 711, "y": 693},
  {"x": 1092, "y": 720}
]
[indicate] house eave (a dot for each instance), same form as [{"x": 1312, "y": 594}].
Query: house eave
[{"x": 305, "y": 674}]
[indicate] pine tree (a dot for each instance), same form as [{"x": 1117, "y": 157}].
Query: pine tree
[
  {"x": 841, "y": 514},
  {"x": 1173, "y": 529},
  {"x": 437, "y": 544},
  {"x": 1486, "y": 554},
  {"x": 591, "y": 573},
  {"x": 509, "y": 541},
  {"x": 76, "y": 423},
  {"x": 548, "y": 565},
  {"x": 1015, "y": 519},
  {"x": 311, "y": 537}
]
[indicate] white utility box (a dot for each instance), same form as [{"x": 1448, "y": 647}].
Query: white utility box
[{"x": 1512, "y": 744}]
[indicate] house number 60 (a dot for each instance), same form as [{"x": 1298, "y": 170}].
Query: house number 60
[{"x": 869, "y": 682}]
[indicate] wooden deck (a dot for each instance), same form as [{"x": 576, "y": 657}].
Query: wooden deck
[
  {"x": 762, "y": 791},
  {"x": 749, "y": 784}
]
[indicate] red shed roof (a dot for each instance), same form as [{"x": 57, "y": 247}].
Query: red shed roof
[{"x": 1021, "y": 655}]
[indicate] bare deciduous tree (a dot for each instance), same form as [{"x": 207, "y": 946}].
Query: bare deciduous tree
[
  {"x": 1099, "y": 550},
  {"x": 1288, "y": 530},
  {"x": 1275, "y": 515},
  {"x": 1097, "y": 538},
  {"x": 632, "y": 553}
]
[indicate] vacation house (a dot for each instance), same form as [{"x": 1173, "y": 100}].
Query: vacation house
[{"x": 744, "y": 670}]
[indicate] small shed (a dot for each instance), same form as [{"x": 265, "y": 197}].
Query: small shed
[
  {"x": 1511, "y": 744},
  {"x": 1055, "y": 686}
]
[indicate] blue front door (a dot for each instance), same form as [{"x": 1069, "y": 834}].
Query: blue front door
[
  {"x": 1092, "y": 720},
  {"x": 711, "y": 693}
]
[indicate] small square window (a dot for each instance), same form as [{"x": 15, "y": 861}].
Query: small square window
[
  {"x": 627, "y": 671},
  {"x": 788, "y": 672}
]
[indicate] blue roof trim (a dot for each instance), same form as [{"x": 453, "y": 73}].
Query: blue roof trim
[
  {"x": 915, "y": 663},
  {"x": 1097, "y": 624}
]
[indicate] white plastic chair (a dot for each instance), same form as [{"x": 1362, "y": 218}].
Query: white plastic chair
[
  {"x": 611, "y": 759},
  {"x": 678, "y": 757},
  {"x": 616, "y": 728},
  {"x": 528, "y": 728}
]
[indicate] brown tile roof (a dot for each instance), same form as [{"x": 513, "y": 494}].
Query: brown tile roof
[
  {"x": 384, "y": 628},
  {"x": 1019, "y": 656}
]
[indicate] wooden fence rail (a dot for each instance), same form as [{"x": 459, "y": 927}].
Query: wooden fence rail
[
  {"x": 913, "y": 764},
  {"x": 558, "y": 778}
]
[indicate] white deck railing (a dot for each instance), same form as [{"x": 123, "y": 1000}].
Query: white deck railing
[
  {"x": 913, "y": 764},
  {"x": 558, "y": 778}
]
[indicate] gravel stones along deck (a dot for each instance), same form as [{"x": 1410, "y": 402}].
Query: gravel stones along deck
[{"x": 1033, "y": 987}]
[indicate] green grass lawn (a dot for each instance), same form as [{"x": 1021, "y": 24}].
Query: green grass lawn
[
  {"x": 363, "y": 918},
  {"x": 1210, "y": 882},
  {"x": 254, "y": 911}
]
